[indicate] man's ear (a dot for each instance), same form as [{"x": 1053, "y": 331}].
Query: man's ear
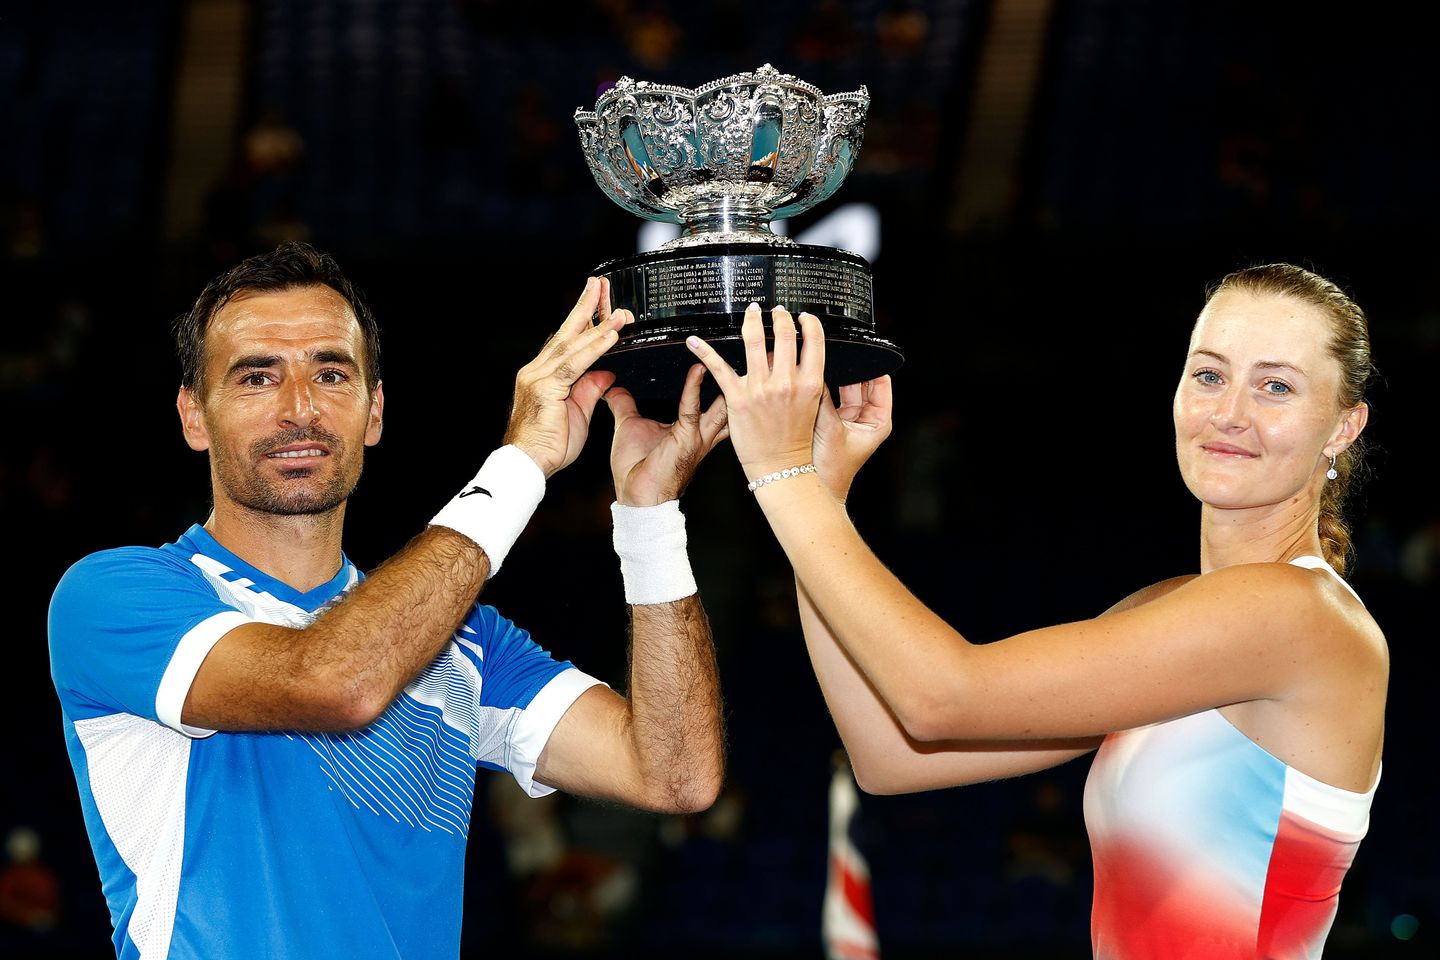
[
  {"x": 192, "y": 420},
  {"x": 377, "y": 415}
]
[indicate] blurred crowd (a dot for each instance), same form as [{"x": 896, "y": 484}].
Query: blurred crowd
[{"x": 428, "y": 144}]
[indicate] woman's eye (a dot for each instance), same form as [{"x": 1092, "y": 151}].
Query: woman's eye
[
  {"x": 1207, "y": 377},
  {"x": 1277, "y": 387}
]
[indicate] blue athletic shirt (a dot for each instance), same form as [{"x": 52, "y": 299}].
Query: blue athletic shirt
[{"x": 282, "y": 844}]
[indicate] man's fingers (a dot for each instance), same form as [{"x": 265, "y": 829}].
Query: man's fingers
[
  {"x": 588, "y": 390},
  {"x": 621, "y": 403},
  {"x": 603, "y": 308},
  {"x": 581, "y": 314},
  {"x": 715, "y": 422},
  {"x": 724, "y": 375},
  {"x": 812, "y": 355},
  {"x": 690, "y": 395},
  {"x": 576, "y": 327},
  {"x": 594, "y": 299},
  {"x": 752, "y": 331},
  {"x": 573, "y": 357}
]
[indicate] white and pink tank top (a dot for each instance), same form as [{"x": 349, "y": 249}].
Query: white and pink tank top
[{"x": 1206, "y": 847}]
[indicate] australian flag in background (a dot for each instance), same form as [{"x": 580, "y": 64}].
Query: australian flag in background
[{"x": 847, "y": 919}]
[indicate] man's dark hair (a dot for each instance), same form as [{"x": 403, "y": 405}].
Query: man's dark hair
[{"x": 291, "y": 265}]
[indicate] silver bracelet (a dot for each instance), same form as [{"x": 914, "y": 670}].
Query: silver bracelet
[{"x": 785, "y": 474}]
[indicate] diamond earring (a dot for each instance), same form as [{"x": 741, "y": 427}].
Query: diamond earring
[{"x": 1332, "y": 473}]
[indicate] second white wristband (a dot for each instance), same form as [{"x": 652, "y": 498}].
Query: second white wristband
[{"x": 651, "y": 544}]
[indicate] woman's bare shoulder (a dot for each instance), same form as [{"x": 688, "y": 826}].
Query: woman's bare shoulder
[
  {"x": 1153, "y": 592},
  {"x": 1314, "y": 597},
  {"x": 1280, "y": 600}
]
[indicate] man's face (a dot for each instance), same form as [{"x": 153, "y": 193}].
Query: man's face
[{"x": 283, "y": 409}]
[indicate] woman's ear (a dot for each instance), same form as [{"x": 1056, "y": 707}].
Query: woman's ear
[{"x": 1349, "y": 429}]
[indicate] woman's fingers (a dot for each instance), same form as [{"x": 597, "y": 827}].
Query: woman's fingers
[
  {"x": 829, "y": 412},
  {"x": 852, "y": 399},
  {"x": 795, "y": 350},
  {"x": 723, "y": 373},
  {"x": 812, "y": 356},
  {"x": 879, "y": 400},
  {"x": 752, "y": 331},
  {"x": 783, "y": 326}
]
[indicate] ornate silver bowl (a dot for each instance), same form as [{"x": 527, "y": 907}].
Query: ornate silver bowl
[{"x": 723, "y": 161}]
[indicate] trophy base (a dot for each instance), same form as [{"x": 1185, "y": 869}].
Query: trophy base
[
  {"x": 657, "y": 370},
  {"x": 703, "y": 291}
]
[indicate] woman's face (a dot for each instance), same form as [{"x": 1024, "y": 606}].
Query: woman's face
[{"x": 1257, "y": 414}]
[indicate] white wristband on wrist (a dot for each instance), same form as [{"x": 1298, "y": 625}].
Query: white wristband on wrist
[
  {"x": 650, "y": 542},
  {"x": 495, "y": 506}
]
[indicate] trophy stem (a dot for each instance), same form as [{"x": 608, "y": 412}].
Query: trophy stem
[{"x": 726, "y": 215}]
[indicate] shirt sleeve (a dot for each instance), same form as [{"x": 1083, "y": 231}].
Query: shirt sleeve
[
  {"x": 129, "y": 629},
  {"x": 520, "y": 676}
]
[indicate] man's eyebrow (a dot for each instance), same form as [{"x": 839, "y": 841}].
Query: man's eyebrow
[
  {"x": 334, "y": 356},
  {"x": 258, "y": 361},
  {"x": 252, "y": 362}
]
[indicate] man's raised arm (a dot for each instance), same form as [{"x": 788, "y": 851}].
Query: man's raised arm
[
  {"x": 663, "y": 746},
  {"x": 344, "y": 669}
]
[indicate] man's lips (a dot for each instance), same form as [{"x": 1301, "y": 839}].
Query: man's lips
[{"x": 298, "y": 451}]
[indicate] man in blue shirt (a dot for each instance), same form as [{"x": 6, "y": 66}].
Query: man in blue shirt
[{"x": 276, "y": 755}]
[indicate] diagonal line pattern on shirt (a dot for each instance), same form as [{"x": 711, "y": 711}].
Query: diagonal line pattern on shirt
[{"x": 416, "y": 764}]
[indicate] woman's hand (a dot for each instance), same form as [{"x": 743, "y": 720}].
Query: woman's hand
[
  {"x": 846, "y": 436},
  {"x": 772, "y": 408}
]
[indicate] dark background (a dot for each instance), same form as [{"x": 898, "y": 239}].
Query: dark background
[{"x": 1153, "y": 147}]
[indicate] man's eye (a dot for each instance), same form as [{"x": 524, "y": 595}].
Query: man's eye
[
  {"x": 331, "y": 376},
  {"x": 255, "y": 379}
]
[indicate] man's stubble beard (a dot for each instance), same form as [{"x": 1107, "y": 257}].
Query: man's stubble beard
[{"x": 246, "y": 488}]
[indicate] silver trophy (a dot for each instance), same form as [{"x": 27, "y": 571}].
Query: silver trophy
[{"x": 723, "y": 161}]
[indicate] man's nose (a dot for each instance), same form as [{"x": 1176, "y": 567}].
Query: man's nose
[{"x": 298, "y": 408}]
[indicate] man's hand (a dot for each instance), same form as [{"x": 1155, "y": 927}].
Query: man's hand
[
  {"x": 554, "y": 393},
  {"x": 847, "y": 435},
  {"x": 653, "y": 462}
]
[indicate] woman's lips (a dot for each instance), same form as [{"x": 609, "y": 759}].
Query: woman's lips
[{"x": 1227, "y": 450}]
